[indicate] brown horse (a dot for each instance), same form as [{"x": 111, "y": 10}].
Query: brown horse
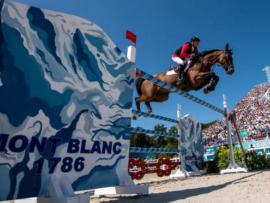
[{"x": 198, "y": 75}]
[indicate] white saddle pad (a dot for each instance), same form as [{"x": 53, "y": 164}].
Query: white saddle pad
[{"x": 172, "y": 72}]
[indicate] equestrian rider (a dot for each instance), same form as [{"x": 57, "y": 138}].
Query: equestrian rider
[{"x": 188, "y": 50}]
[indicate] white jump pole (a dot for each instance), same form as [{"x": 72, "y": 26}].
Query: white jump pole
[
  {"x": 180, "y": 172},
  {"x": 233, "y": 167},
  {"x": 131, "y": 53}
]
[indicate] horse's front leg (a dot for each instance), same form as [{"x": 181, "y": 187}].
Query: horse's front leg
[
  {"x": 212, "y": 84},
  {"x": 216, "y": 79}
]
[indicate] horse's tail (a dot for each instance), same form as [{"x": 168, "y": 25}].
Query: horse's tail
[{"x": 139, "y": 83}]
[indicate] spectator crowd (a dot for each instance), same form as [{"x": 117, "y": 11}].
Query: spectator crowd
[{"x": 253, "y": 119}]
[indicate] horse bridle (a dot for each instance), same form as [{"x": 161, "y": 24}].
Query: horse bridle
[{"x": 224, "y": 65}]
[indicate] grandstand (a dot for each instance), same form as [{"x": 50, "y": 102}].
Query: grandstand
[{"x": 253, "y": 113}]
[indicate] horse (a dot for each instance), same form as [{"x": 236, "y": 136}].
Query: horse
[{"x": 198, "y": 75}]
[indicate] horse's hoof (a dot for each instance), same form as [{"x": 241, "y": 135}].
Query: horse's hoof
[
  {"x": 206, "y": 90},
  {"x": 135, "y": 117}
]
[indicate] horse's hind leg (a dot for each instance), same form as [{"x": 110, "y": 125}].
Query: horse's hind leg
[
  {"x": 137, "y": 100},
  {"x": 135, "y": 117},
  {"x": 159, "y": 98},
  {"x": 149, "y": 92},
  {"x": 148, "y": 107}
]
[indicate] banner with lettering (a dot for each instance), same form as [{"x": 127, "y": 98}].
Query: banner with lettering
[
  {"x": 65, "y": 108},
  {"x": 191, "y": 144}
]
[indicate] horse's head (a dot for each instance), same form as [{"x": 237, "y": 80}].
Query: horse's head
[{"x": 226, "y": 60}]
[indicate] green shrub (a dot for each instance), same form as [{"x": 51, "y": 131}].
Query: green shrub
[
  {"x": 222, "y": 160},
  {"x": 212, "y": 166},
  {"x": 257, "y": 161},
  {"x": 237, "y": 155}
]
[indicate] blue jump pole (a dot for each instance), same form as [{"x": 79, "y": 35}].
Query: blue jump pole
[{"x": 173, "y": 89}]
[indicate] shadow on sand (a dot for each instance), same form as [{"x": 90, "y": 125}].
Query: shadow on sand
[{"x": 180, "y": 194}]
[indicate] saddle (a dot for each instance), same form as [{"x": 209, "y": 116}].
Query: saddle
[{"x": 175, "y": 68}]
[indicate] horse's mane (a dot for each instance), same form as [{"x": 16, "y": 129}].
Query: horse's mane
[
  {"x": 197, "y": 58},
  {"x": 204, "y": 53}
]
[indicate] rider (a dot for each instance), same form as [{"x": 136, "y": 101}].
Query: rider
[{"x": 186, "y": 51}]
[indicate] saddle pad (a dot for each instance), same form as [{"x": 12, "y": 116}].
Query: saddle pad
[{"x": 171, "y": 72}]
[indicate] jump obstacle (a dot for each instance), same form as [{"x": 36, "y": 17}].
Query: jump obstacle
[{"x": 232, "y": 168}]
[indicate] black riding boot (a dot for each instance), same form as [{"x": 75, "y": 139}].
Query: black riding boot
[{"x": 180, "y": 78}]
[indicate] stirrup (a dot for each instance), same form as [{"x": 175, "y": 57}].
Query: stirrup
[{"x": 180, "y": 80}]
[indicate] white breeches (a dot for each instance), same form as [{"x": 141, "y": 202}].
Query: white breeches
[{"x": 178, "y": 60}]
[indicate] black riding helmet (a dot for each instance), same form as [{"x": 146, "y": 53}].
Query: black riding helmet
[{"x": 195, "y": 38}]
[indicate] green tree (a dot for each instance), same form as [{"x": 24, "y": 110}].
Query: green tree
[
  {"x": 160, "y": 140},
  {"x": 150, "y": 142},
  {"x": 167, "y": 142},
  {"x": 207, "y": 125},
  {"x": 137, "y": 139},
  {"x": 132, "y": 139},
  {"x": 172, "y": 143},
  {"x": 156, "y": 141}
]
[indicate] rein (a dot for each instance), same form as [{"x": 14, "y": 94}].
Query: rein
[{"x": 215, "y": 64}]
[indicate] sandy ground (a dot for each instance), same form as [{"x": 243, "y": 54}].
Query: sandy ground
[{"x": 230, "y": 188}]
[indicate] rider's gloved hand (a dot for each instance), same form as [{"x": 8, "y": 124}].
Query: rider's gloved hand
[{"x": 192, "y": 55}]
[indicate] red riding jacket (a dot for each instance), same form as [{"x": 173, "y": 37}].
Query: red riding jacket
[{"x": 185, "y": 51}]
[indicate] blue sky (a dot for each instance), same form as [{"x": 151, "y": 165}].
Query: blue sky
[{"x": 163, "y": 26}]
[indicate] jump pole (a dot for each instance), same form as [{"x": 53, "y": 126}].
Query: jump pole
[
  {"x": 233, "y": 167},
  {"x": 180, "y": 172}
]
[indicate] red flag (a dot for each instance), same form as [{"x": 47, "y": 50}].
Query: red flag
[
  {"x": 137, "y": 75},
  {"x": 130, "y": 36}
]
